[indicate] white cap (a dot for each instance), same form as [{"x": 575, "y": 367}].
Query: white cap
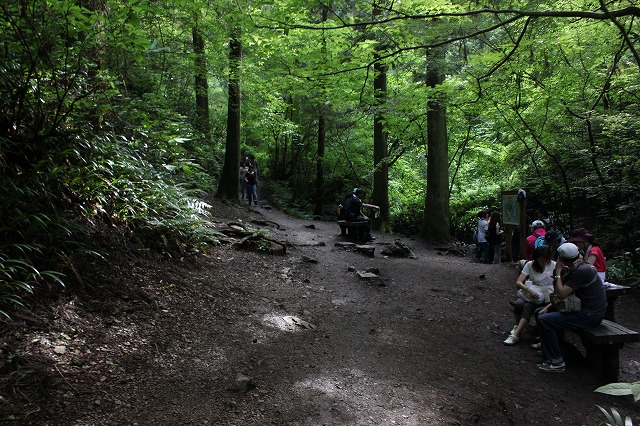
[
  {"x": 537, "y": 224},
  {"x": 568, "y": 251}
]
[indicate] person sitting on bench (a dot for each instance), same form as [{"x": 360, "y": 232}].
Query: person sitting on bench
[
  {"x": 582, "y": 279},
  {"x": 352, "y": 211}
]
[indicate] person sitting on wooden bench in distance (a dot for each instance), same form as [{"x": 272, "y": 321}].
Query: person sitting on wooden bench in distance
[
  {"x": 582, "y": 279},
  {"x": 352, "y": 211}
]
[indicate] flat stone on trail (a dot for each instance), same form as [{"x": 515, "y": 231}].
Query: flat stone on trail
[
  {"x": 366, "y": 249},
  {"x": 370, "y": 277},
  {"x": 360, "y": 248},
  {"x": 345, "y": 245}
]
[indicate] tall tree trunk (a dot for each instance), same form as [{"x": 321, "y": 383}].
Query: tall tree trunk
[
  {"x": 320, "y": 163},
  {"x": 321, "y": 134},
  {"x": 202, "y": 86},
  {"x": 228, "y": 187},
  {"x": 435, "y": 223},
  {"x": 380, "y": 149}
]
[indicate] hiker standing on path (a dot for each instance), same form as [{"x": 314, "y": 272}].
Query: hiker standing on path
[
  {"x": 494, "y": 237},
  {"x": 244, "y": 168},
  {"x": 483, "y": 246},
  {"x": 252, "y": 183}
]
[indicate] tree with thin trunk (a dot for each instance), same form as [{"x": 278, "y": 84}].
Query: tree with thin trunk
[
  {"x": 322, "y": 132},
  {"x": 230, "y": 178},
  {"x": 202, "y": 86}
]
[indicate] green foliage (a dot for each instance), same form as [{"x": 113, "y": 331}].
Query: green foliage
[
  {"x": 82, "y": 144},
  {"x": 620, "y": 389},
  {"x": 19, "y": 277},
  {"x": 614, "y": 418},
  {"x": 282, "y": 196},
  {"x": 97, "y": 112},
  {"x": 620, "y": 269}
]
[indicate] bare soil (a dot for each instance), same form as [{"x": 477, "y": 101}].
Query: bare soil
[{"x": 149, "y": 340}]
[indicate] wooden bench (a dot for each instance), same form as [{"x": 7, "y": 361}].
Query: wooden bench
[
  {"x": 603, "y": 344},
  {"x": 355, "y": 230}
]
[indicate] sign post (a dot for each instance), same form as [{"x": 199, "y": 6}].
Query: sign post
[{"x": 514, "y": 221}]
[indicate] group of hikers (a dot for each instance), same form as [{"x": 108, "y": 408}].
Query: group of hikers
[{"x": 555, "y": 270}]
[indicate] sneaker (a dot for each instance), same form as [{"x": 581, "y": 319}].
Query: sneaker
[
  {"x": 513, "y": 330},
  {"x": 511, "y": 340},
  {"x": 536, "y": 345},
  {"x": 551, "y": 367}
]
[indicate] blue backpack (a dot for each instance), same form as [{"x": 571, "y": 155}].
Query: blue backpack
[{"x": 540, "y": 242}]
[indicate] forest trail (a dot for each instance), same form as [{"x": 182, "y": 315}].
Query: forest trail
[{"x": 314, "y": 343}]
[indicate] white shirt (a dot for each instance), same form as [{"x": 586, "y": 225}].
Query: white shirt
[
  {"x": 483, "y": 227},
  {"x": 541, "y": 279}
]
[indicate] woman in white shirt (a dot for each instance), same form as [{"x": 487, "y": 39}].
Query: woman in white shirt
[{"x": 533, "y": 294}]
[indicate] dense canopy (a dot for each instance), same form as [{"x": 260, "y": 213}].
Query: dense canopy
[{"x": 124, "y": 113}]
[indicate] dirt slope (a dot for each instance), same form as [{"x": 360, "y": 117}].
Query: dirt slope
[{"x": 320, "y": 345}]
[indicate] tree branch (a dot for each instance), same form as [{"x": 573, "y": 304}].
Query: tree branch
[
  {"x": 625, "y": 36},
  {"x": 518, "y": 14}
]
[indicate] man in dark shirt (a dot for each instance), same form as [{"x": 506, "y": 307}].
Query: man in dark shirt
[
  {"x": 581, "y": 278},
  {"x": 353, "y": 210},
  {"x": 252, "y": 183}
]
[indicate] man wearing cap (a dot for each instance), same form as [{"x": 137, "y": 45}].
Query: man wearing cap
[
  {"x": 581, "y": 278},
  {"x": 537, "y": 230}
]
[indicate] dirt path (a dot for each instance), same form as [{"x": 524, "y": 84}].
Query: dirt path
[{"x": 321, "y": 346}]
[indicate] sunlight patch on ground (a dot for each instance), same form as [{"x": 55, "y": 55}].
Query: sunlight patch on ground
[
  {"x": 366, "y": 401},
  {"x": 281, "y": 322}
]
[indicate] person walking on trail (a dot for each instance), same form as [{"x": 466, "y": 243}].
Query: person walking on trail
[
  {"x": 483, "y": 245},
  {"x": 253, "y": 163},
  {"x": 494, "y": 236},
  {"x": 252, "y": 183},
  {"x": 352, "y": 207},
  {"x": 581, "y": 278},
  {"x": 244, "y": 168}
]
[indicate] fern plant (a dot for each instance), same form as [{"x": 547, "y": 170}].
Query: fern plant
[{"x": 19, "y": 277}]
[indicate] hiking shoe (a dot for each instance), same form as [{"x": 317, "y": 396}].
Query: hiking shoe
[
  {"x": 550, "y": 367},
  {"x": 536, "y": 345},
  {"x": 511, "y": 340}
]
